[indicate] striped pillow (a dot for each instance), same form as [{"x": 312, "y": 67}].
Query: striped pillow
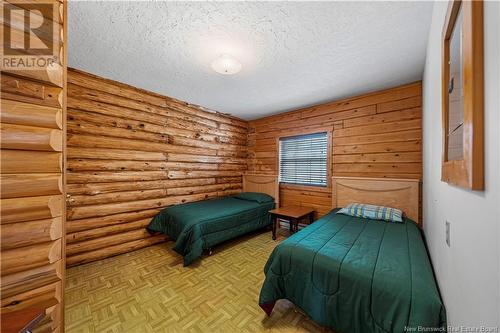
[{"x": 373, "y": 212}]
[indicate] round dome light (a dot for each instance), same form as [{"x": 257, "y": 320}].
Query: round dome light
[{"x": 226, "y": 65}]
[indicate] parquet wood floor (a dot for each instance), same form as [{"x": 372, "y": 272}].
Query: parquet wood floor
[{"x": 150, "y": 291}]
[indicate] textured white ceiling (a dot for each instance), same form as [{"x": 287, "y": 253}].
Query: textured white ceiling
[{"x": 294, "y": 54}]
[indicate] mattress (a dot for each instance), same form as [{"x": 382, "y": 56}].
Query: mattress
[
  {"x": 356, "y": 275},
  {"x": 200, "y": 225}
]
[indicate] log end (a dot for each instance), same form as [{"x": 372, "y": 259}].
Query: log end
[
  {"x": 55, "y": 75},
  {"x": 55, "y": 251},
  {"x": 55, "y": 140},
  {"x": 54, "y": 204},
  {"x": 56, "y": 228}
]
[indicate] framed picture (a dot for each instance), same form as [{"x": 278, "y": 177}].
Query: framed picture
[{"x": 462, "y": 95}]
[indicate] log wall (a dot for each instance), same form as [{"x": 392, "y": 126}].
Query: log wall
[
  {"x": 32, "y": 178},
  {"x": 132, "y": 152},
  {"x": 373, "y": 135}
]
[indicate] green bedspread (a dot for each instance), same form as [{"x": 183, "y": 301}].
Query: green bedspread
[
  {"x": 197, "y": 226},
  {"x": 356, "y": 275}
]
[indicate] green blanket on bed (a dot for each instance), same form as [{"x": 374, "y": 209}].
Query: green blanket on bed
[
  {"x": 356, "y": 275},
  {"x": 200, "y": 225}
]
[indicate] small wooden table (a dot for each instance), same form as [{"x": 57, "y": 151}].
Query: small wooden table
[{"x": 294, "y": 214}]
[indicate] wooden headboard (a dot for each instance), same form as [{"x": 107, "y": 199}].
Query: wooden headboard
[
  {"x": 262, "y": 183},
  {"x": 402, "y": 194}
]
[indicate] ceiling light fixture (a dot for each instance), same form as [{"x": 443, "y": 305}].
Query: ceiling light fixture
[{"x": 226, "y": 65}]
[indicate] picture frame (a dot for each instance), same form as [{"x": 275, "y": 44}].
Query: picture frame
[{"x": 463, "y": 95}]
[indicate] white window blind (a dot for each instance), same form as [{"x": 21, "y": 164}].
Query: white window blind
[{"x": 303, "y": 159}]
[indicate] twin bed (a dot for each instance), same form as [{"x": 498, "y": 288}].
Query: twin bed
[
  {"x": 198, "y": 226},
  {"x": 348, "y": 273},
  {"x": 355, "y": 274}
]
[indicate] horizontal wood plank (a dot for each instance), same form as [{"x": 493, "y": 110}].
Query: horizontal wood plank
[
  {"x": 373, "y": 135},
  {"x": 132, "y": 152}
]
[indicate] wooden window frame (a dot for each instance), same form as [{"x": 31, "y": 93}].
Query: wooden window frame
[
  {"x": 468, "y": 172},
  {"x": 328, "y": 130}
]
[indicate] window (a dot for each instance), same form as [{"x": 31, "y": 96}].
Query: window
[{"x": 303, "y": 159}]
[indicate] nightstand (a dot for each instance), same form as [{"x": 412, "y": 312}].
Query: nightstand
[{"x": 294, "y": 214}]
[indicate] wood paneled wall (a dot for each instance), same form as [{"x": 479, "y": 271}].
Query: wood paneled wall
[
  {"x": 374, "y": 135},
  {"x": 32, "y": 179},
  {"x": 132, "y": 152}
]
